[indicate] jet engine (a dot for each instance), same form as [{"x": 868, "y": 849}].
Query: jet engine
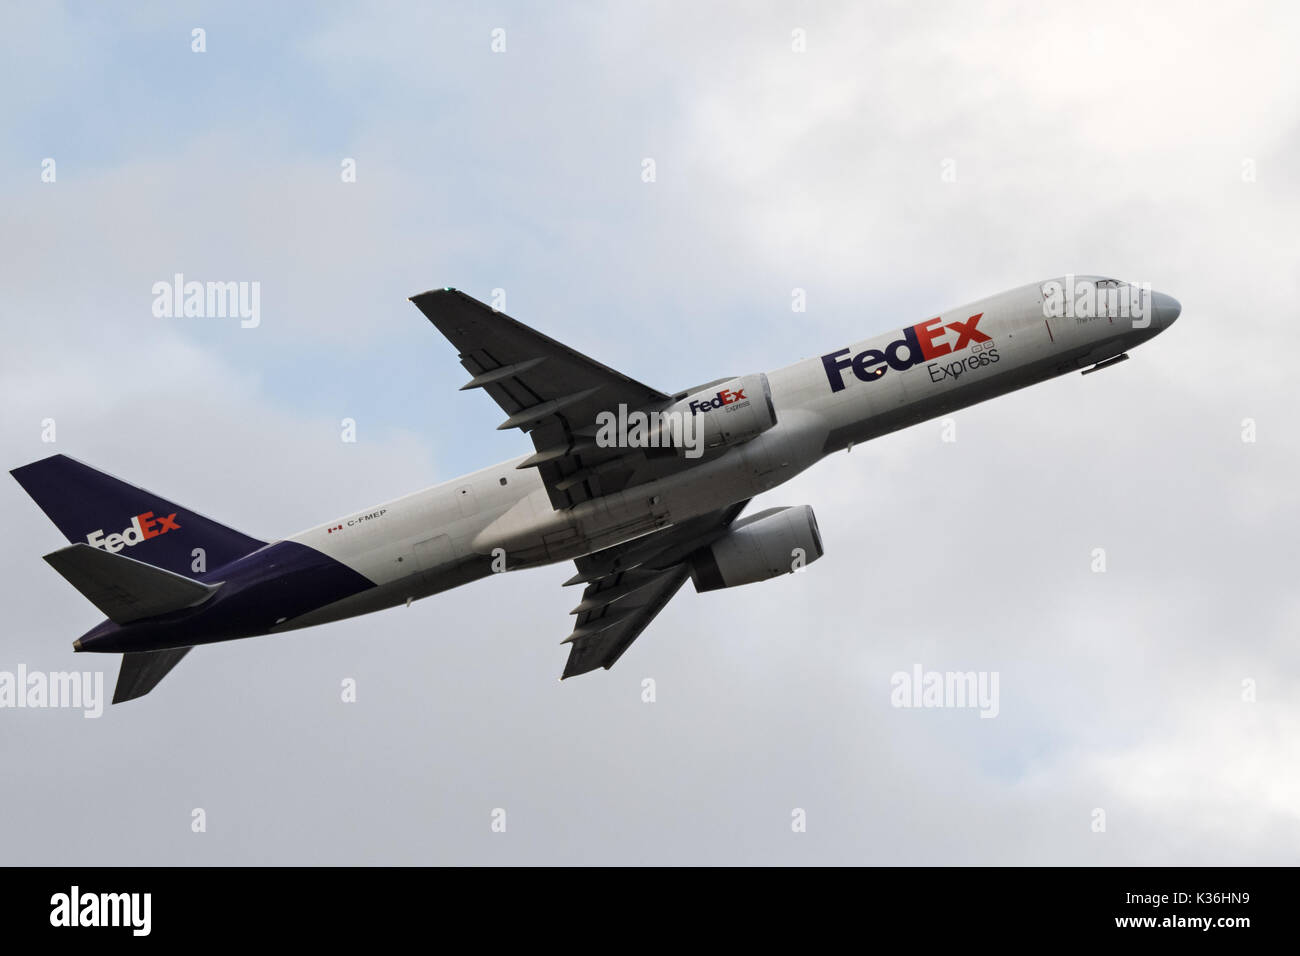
[
  {"x": 720, "y": 415},
  {"x": 772, "y": 542}
]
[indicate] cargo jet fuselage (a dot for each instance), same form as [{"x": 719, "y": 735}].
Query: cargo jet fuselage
[{"x": 637, "y": 520}]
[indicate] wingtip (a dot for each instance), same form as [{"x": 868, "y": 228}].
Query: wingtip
[{"x": 421, "y": 295}]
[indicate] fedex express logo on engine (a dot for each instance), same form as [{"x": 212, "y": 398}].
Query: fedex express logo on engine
[
  {"x": 141, "y": 528},
  {"x": 924, "y": 342},
  {"x": 721, "y": 400}
]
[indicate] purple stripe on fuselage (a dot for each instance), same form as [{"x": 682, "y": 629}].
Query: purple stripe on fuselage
[{"x": 275, "y": 583}]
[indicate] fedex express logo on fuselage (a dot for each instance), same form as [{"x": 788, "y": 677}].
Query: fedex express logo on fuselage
[
  {"x": 924, "y": 342},
  {"x": 141, "y": 528}
]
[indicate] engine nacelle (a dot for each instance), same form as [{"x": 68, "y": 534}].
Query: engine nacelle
[
  {"x": 772, "y": 542},
  {"x": 721, "y": 415}
]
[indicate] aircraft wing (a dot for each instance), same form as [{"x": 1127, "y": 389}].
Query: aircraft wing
[
  {"x": 629, "y": 584},
  {"x": 546, "y": 389}
]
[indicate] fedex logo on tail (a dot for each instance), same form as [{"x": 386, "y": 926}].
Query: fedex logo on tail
[
  {"x": 924, "y": 342},
  {"x": 141, "y": 528}
]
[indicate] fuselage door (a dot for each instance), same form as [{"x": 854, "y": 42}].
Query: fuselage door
[
  {"x": 466, "y": 501},
  {"x": 433, "y": 554}
]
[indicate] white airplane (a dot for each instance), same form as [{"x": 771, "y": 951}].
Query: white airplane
[{"x": 639, "y": 488}]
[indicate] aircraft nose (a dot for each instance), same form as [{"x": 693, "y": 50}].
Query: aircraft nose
[{"x": 1164, "y": 309}]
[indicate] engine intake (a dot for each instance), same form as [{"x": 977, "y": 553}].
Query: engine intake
[{"x": 772, "y": 542}]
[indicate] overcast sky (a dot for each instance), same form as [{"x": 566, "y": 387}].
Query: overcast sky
[{"x": 911, "y": 159}]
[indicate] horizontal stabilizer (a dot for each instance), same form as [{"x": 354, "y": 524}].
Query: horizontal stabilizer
[
  {"x": 123, "y": 588},
  {"x": 142, "y": 670}
]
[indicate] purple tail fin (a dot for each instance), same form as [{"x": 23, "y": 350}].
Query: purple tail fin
[{"x": 90, "y": 506}]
